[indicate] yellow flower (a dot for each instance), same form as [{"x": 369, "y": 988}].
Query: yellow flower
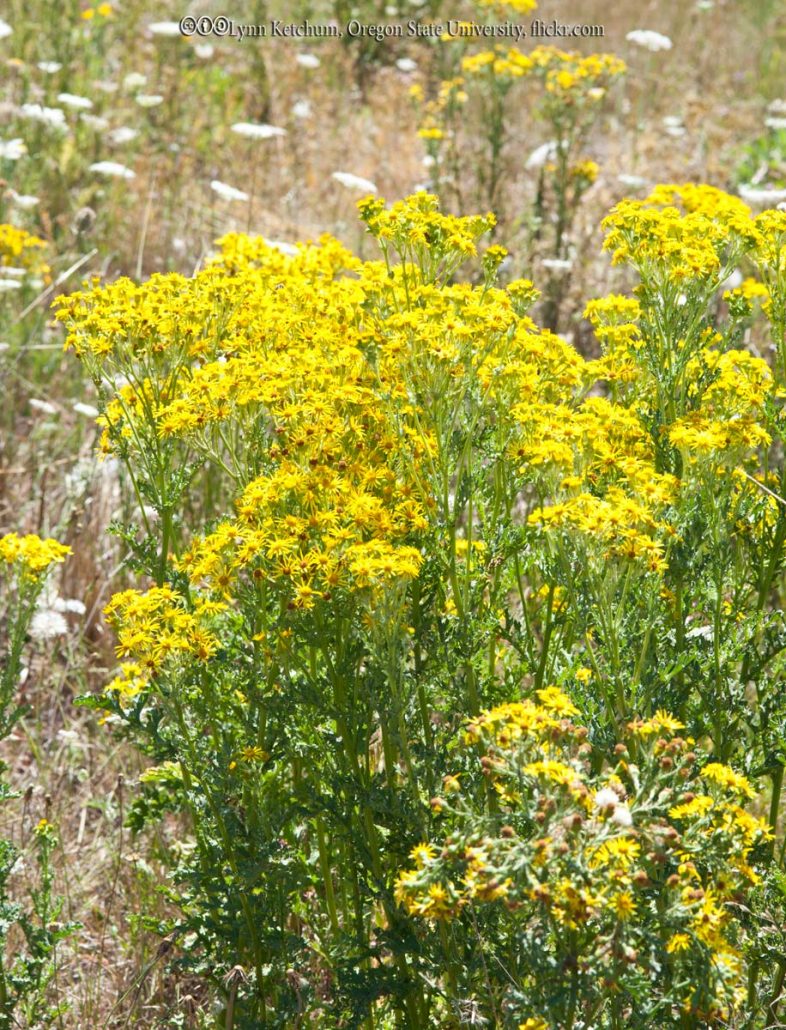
[
  {"x": 726, "y": 777},
  {"x": 619, "y": 851},
  {"x": 700, "y": 805},
  {"x": 677, "y": 942},
  {"x": 422, "y": 854},
  {"x": 624, "y": 905},
  {"x": 553, "y": 700},
  {"x": 664, "y": 721},
  {"x": 253, "y": 754},
  {"x": 31, "y": 554}
]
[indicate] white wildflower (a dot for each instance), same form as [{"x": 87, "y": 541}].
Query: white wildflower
[
  {"x": 775, "y": 123},
  {"x": 134, "y": 80},
  {"x": 204, "y": 51},
  {"x": 95, "y": 121},
  {"x": 354, "y": 182},
  {"x": 69, "y": 604},
  {"x": 24, "y": 200},
  {"x": 540, "y": 155},
  {"x": 86, "y": 409},
  {"x": 227, "y": 192},
  {"x": 308, "y": 60},
  {"x": 53, "y": 117},
  {"x": 149, "y": 99},
  {"x": 112, "y": 169},
  {"x": 649, "y": 40},
  {"x": 74, "y": 101},
  {"x": 252, "y": 130},
  {"x": 6, "y": 285},
  {"x": 406, "y": 64},
  {"x": 557, "y": 264},
  {"x": 301, "y": 109},
  {"x": 633, "y": 182},
  {"x": 49, "y": 67},
  {"x": 43, "y": 406},
  {"x": 165, "y": 28},
  {"x": 122, "y": 134},
  {"x": 5, "y": 29},
  {"x": 12, "y": 149},
  {"x": 763, "y": 197},
  {"x": 47, "y": 624}
]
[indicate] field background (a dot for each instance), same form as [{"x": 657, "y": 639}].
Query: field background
[{"x": 693, "y": 113}]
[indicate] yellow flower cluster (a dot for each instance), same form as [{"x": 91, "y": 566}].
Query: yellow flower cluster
[
  {"x": 154, "y": 625},
  {"x": 102, "y": 10},
  {"x": 615, "y": 319},
  {"x": 501, "y": 62},
  {"x": 32, "y": 555},
  {"x": 572, "y": 86},
  {"x": 681, "y": 233},
  {"x": 736, "y": 385},
  {"x": 569, "y": 76},
  {"x": 602, "y": 464},
  {"x": 585, "y": 170},
  {"x": 420, "y": 233},
  {"x": 563, "y": 72},
  {"x": 621, "y": 523},
  {"x": 771, "y": 238},
  {"x": 507, "y": 6},
  {"x": 433, "y": 112},
  {"x": 20, "y": 250},
  {"x": 584, "y": 852}
]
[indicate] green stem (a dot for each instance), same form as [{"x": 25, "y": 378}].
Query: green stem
[
  {"x": 327, "y": 875},
  {"x": 777, "y": 785}
]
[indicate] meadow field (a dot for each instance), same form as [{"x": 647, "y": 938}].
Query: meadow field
[{"x": 393, "y": 514}]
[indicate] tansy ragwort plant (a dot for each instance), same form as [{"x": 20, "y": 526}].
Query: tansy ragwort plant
[
  {"x": 26, "y": 971},
  {"x": 568, "y": 90},
  {"x": 23, "y": 273},
  {"x": 24, "y": 564},
  {"x": 441, "y": 508},
  {"x": 582, "y": 897}
]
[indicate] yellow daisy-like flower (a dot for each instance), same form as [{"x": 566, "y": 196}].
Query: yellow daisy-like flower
[
  {"x": 726, "y": 777},
  {"x": 553, "y": 699}
]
